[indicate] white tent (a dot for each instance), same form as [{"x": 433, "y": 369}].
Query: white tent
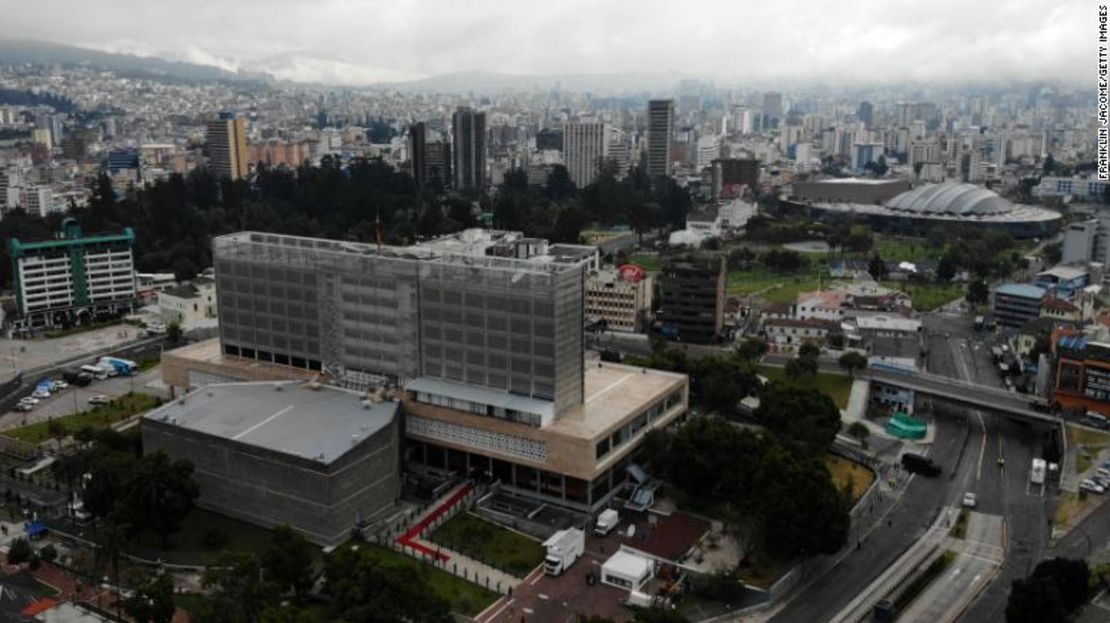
[{"x": 627, "y": 570}]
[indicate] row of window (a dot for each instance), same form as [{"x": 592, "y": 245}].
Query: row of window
[
  {"x": 630, "y": 431},
  {"x": 270, "y": 357},
  {"x": 477, "y": 408},
  {"x": 479, "y": 439}
]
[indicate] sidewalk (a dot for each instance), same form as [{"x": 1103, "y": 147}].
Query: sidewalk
[{"x": 412, "y": 542}]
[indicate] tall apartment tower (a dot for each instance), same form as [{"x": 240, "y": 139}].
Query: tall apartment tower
[
  {"x": 585, "y": 147},
  {"x": 418, "y": 151},
  {"x": 469, "y": 148},
  {"x": 865, "y": 113},
  {"x": 660, "y": 130},
  {"x": 772, "y": 107},
  {"x": 227, "y": 146}
]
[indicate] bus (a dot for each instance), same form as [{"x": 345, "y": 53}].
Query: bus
[
  {"x": 1037, "y": 471},
  {"x": 96, "y": 372},
  {"x": 978, "y": 323}
]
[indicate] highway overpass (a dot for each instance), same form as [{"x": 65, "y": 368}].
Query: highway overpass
[{"x": 954, "y": 390}]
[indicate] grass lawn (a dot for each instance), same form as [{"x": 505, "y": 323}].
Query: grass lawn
[
  {"x": 845, "y": 471},
  {"x": 465, "y": 597},
  {"x": 928, "y": 296},
  {"x": 649, "y": 263},
  {"x": 836, "y": 386},
  {"x": 204, "y": 535},
  {"x": 100, "y": 416},
  {"x": 1071, "y": 506},
  {"x": 903, "y": 249},
  {"x": 485, "y": 541},
  {"x": 1088, "y": 443},
  {"x": 773, "y": 287}
]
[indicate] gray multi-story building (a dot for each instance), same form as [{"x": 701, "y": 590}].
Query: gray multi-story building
[
  {"x": 320, "y": 459},
  {"x": 660, "y": 128},
  {"x": 493, "y": 309},
  {"x": 469, "y": 149},
  {"x": 692, "y": 298}
]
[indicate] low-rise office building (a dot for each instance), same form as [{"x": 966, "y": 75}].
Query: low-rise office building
[
  {"x": 1014, "y": 304},
  {"x": 189, "y": 304},
  {"x": 621, "y": 297},
  {"x": 318, "y": 458}
]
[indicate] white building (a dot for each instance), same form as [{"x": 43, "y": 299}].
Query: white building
[
  {"x": 620, "y": 297},
  {"x": 585, "y": 147},
  {"x": 189, "y": 304}
]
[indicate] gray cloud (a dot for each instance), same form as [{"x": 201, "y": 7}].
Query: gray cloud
[{"x": 362, "y": 41}]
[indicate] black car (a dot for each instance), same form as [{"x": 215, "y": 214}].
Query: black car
[{"x": 919, "y": 464}]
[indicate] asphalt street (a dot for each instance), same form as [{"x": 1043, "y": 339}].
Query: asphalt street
[{"x": 967, "y": 446}]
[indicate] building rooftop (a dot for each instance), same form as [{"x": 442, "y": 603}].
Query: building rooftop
[
  {"x": 1021, "y": 290},
  {"x": 880, "y": 322},
  {"x": 612, "y": 391},
  {"x": 471, "y": 247},
  {"x": 312, "y": 421},
  {"x": 1063, "y": 273}
]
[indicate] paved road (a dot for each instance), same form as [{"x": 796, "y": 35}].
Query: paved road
[
  {"x": 908, "y": 521},
  {"x": 978, "y": 555},
  {"x": 1003, "y": 489}
]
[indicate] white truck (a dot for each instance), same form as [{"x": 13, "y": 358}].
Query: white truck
[
  {"x": 1036, "y": 473},
  {"x": 563, "y": 548},
  {"x": 607, "y": 521}
]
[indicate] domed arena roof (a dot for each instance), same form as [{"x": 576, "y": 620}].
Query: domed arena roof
[{"x": 966, "y": 200}]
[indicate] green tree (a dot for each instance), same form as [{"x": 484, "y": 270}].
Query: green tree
[
  {"x": 158, "y": 494},
  {"x": 859, "y": 431},
  {"x": 752, "y": 348},
  {"x": 287, "y": 561},
  {"x": 977, "y": 292},
  {"x": 800, "y": 367},
  {"x": 877, "y": 268},
  {"x": 174, "y": 333},
  {"x": 946, "y": 269},
  {"x": 365, "y": 590},
  {"x": 803, "y": 414},
  {"x": 809, "y": 348},
  {"x": 852, "y": 361},
  {"x": 151, "y": 602},
  {"x": 236, "y": 590},
  {"x": 659, "y": 615},
  {"x": 20, "y": 551},
  {"x": 559, "y": 185}
]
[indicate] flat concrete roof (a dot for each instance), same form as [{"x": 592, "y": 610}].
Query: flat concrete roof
[
  {"x": 317, "y": 422},
  {"x": 612, "y": 392}
]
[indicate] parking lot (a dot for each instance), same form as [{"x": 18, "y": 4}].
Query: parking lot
[{"x": 74, "y": 399}]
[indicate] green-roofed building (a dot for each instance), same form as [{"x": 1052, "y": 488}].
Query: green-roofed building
[{"x": 73, "y": 278}]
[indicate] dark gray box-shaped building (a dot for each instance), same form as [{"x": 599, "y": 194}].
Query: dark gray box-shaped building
[{"x": 318, "y": 458}]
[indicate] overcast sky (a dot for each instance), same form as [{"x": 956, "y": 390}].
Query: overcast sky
[{"x": 364, "y": 41}]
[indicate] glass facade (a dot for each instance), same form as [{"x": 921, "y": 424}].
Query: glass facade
[{"x": 502, "y": 323}]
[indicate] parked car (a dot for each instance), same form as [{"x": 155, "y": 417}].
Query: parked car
[
  {"x": 24, "y": 406},
  {"x": 60, "y": 384},
  {"x": 970, "y": 500},
  {"x": 29, "y": 400},
  {"x": 1089, "y": 485},
  {"x": 41, "y": 393},
  {"x": 99, "y": 399},
  {"x": 1102, "y": 471}
]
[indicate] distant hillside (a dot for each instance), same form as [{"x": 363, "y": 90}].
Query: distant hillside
[
  {"x": 42, "y": 52},
  {"x": 489, "y": 82}
]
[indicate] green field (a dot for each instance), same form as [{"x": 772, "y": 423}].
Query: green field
[
  {"x": 771, "y": 286},
  {"x": 189, "y": 547},
  {"x": 100, "y": 416},
  {"x": 489, "y": 543},
  {"x": 649, "y": 263},
  {"x": 465, "y": 597},
  {"x": 928, "y": 296},
  {"x": 836, "y": 386},
  {"x": 903, "y": 249}
]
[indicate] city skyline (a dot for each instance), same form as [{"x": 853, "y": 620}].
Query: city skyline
[{"x": 365, "y": 43}]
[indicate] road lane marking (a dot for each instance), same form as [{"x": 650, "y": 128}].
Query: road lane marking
[{"x": 982, "y": 444}]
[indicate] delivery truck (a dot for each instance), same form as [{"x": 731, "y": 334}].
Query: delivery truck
[
  {"x": 563, "y": 548},
  {"x": 606, "y": 521}
]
